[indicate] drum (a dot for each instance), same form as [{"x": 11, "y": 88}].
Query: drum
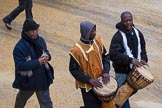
[
  {"x": 108, "y": 92},
  {"x": 140, "y": 78},
  {"x": 124, "y": 92}
]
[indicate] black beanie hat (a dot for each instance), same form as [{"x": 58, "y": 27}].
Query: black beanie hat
[{"x": 30, "y": 24}]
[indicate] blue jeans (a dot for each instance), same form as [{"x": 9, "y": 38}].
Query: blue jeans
[
  {"x": 126, "y": 104},
  {"x": 23, "y": 5}
]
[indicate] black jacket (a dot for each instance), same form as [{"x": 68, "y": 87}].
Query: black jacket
[
  {"x": 39, "y": 80},
  {"x": 116, "y": 51}
]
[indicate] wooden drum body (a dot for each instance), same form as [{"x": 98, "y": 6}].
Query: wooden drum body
[{"x": 140, "y": 78}]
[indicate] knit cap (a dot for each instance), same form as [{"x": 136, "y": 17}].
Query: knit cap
[{"x": 30, "y": 24}]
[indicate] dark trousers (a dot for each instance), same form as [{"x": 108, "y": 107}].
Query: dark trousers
[
  {"x": 90, "y": 99},
  {"x": 43, "y": 98},
  {"x": 23, "y": 5}
]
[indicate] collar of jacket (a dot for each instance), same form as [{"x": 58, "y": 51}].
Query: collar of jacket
[
  {"x": 121, "y": 27},
  {"x": 90, "y": 42}
]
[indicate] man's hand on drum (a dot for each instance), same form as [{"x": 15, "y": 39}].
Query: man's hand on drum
[
  {"x": 95, "y": 83},
  {"x": 143, "y": 62},
  {"x": 105, "y": 78},
  {"x": 136, "y": 63}
]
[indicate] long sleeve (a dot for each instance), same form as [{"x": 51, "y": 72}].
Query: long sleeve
[
  {"x": 143, "y": 47},
  {"x": 45, "y": 47},
  {"x": 105, "y": 61},
  {"x": 116, "y": 51},
  {"x": 74, "y": 69},
  {"x": 23, "y": 60}
]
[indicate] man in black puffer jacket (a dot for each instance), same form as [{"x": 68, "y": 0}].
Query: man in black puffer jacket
[{"x": 127, "y": 49}]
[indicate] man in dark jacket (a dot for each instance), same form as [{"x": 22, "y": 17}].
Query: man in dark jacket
[
  {"x": 23, "y": 5},
  {"x": 32, "y": 75},
  {"x": 88, "y": 61},
  {"x": 127, "y": 49}
]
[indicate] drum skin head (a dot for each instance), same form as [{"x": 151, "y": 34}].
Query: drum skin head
[
  {"x": 144, "y": 71},
  {"x": 109, "y": 90}
]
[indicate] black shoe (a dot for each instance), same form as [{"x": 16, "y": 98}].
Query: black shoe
[{"x": 8, "y": 25}]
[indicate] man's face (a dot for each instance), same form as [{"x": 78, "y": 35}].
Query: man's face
[
  {"x": 32, "y": 33},
  {"x": 127, "y": 21},
  {"x": 93, "y": 33}
]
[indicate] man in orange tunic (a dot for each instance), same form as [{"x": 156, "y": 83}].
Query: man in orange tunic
[{"x": 89, "y": 60}]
